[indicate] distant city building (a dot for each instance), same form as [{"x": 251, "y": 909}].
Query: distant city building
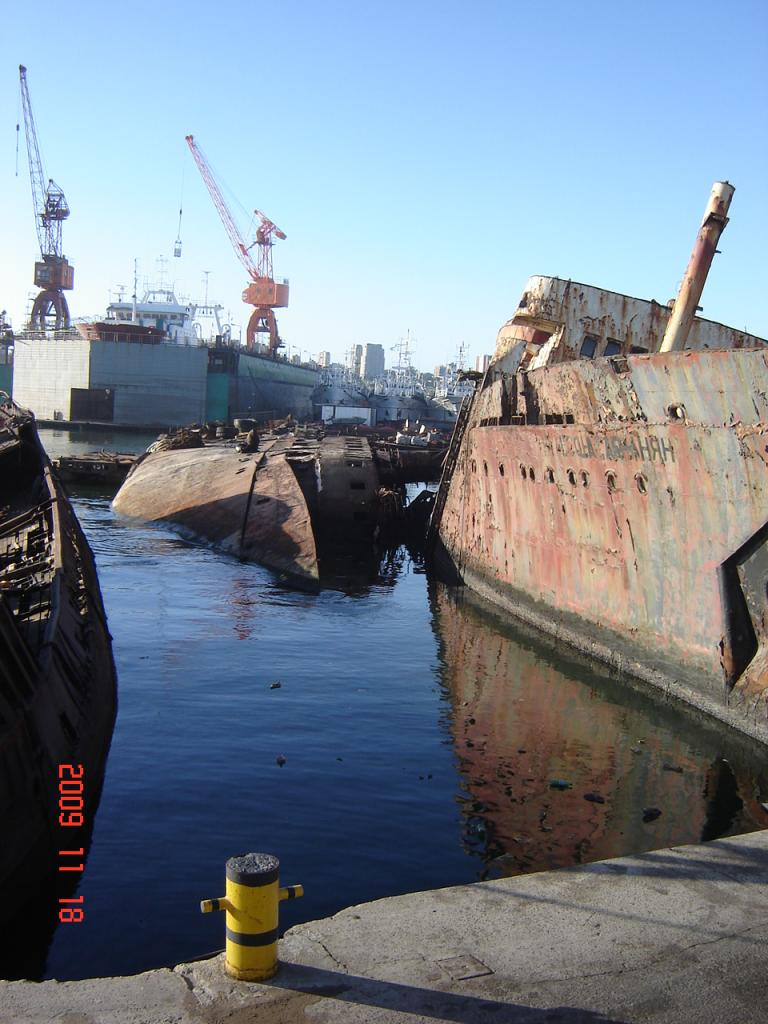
[
  {"x": 441, "y": 371},
  {"x": 482, "y": 363},
  {"x": 357, "y": 360},
  {"x": 372, "y": 362},
  {"x": 324, "y": 359}
]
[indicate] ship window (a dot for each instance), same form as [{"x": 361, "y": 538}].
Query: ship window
[
  {"x": 642, "y": 483},
  {"x": 485, "y": 468},
  {"x": 676, "y": 411},
  {"x": 523, "y": 472},
  {"x": 638, "y": 350},
  {"x": 531, "y": 473},
  {"x": 584, "y": 479},
  {"x": 501, "y": 469},
  {"x": 612, "y": 347},
  {"x": 589, "y": 346},
  {"x": 571, "y": 478},
  {"x": 524, "y": 300},
  {"x": 610, "y": 479},
  {"x": 550, "y": 475}
]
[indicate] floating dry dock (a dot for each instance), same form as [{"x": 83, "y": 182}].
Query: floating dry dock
[{"x": 282, "y": 505}]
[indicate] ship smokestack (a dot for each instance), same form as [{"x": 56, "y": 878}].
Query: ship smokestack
[{"x": 715, "y": 219}]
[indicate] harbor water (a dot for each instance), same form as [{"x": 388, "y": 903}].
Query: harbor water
[{"x": 391, "y": 737}]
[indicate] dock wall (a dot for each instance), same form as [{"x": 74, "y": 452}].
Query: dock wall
[
  {"x": 152, "y": 383},
  {"x": 46, "y": 370}
]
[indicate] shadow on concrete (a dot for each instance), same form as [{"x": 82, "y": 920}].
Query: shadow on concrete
[
  {"x": 746, "y": 864},
  {"x": 742, "y": 862},
  {"x": 425, "y": 1002}
]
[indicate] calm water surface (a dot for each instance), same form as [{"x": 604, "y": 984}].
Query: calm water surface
[{"x": 421, "y": 737}]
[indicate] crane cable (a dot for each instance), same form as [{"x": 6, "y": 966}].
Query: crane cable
[
  {"x": 177, "y": 245},
  {"x": 18, "y": 122}
]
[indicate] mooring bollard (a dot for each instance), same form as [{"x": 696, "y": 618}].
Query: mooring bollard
[{"x": 251, "y": 904}]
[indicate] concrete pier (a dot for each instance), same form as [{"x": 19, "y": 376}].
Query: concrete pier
[{"x": 670, "y": 937}]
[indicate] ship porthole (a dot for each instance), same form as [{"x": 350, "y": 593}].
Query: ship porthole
[
  {"x": 584, "y": 479},
  {"x": 610, "y": 479},
  {"x": 571, "y": 478},
  {"x": 501, "y": 469},
  {"x": 676, "y": 411},
  {"x": 485, "y": 468},
  {"x": 523, "y": 472},
  {"x": 531, "y": 473},
  {"x": 642, "y": 483},
  {"x": 550, "y": 475}
]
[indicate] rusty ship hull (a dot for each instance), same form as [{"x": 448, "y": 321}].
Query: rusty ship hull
[{"x": 619, "y": 501}]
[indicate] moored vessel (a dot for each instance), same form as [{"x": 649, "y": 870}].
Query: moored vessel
[{"x": 607, "y": 482}]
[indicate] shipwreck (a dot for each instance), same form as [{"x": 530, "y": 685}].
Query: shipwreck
[
  {"x": 57, "y": 684},
  {"x": 608, "y": 483}
]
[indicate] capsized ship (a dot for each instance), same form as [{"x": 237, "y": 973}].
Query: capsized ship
[{"x": 607, "y": 482}]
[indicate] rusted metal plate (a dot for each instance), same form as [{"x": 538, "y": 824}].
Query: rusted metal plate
[{"x": 249, "y": 506}]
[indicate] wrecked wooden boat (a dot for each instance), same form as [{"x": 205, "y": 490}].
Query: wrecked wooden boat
[
  {"x": 291, "y": 505},
  {"x": 57, "y": 675},
  {"x": 107, "y": 469},
  {"x": 608, "y": 483}
]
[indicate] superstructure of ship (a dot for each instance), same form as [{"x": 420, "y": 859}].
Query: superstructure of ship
[{"x": 608, "y": 483}]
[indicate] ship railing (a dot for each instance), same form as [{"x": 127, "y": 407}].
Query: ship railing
[{"x": 448, "y": 467}]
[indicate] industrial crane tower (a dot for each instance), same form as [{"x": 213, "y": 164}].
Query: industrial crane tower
[
  {"x": 264, "y": 293},
  {"x": 53, "y": 274}
]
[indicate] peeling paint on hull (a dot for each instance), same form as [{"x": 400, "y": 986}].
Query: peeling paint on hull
[{"x": 622, "y": 504}]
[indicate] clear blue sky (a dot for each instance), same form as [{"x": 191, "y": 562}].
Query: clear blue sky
[{"x": 423, "y": 158}]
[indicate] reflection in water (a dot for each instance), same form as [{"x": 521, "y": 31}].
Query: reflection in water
[{"x": 561, "y": 764}]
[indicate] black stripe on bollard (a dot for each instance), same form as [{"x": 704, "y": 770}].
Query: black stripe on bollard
[{"x": 258, "y": 939}]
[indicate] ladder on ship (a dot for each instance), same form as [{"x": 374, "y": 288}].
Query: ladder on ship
[{"x": 449, "y": 465}]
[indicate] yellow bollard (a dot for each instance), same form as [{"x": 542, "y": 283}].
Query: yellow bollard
[{"x": 251, "y": 904}]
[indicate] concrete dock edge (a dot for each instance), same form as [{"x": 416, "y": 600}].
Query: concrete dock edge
[{"x": 673, "y": 936}]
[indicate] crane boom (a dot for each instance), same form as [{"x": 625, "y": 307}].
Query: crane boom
[
  {"x": 49, "y": 201},
  {"x": 223, "y": 210}
]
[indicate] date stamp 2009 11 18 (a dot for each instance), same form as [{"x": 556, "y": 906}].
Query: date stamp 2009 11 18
[{"x": 71, "y": 803}]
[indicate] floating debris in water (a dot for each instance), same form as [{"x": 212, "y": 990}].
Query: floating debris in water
[
  {"x": 672, "y": 768},
  {"x": 651, "y": 813},
  {"x": 560, "y": 784},
  {"x": 276, "y": 685},
  {"x": 595, "y": 798},
  {"x": 280, "y": 760}
]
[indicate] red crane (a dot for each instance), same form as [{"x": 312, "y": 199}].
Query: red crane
[
  {"x": 264, "y": 293},
  {"x": 53, "y": 273}
]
